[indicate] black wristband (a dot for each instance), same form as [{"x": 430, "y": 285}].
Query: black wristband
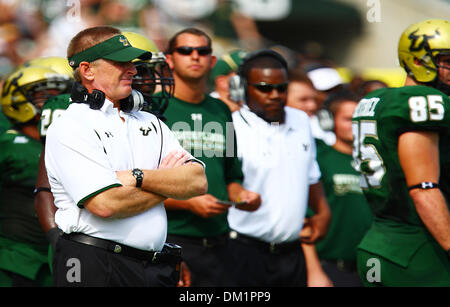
[
  {"x": 41, "y": 189},
  {"x": 424, "y": 186},
  {"x": 139, "y": 175}
]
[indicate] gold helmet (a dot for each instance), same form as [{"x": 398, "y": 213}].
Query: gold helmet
[
  {"x": 420, "y": 45},
  {"x": 26, "y": 90},
  {"x": 58, "y": 64},
  {"x": 153, "y": 76}
]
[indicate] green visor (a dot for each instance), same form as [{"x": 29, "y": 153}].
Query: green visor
[{"x": 117, "y": 48}]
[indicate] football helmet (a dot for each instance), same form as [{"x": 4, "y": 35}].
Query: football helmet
[
  {"x": 153, "y": 76},
  {"x": 25, "y": 91},
  {"x": 420, "y": 45},
  {"x": 58, "y": 64}
]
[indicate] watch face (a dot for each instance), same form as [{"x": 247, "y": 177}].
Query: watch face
[{"x": 139, "y": 175}]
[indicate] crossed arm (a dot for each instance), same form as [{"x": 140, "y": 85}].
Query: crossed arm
[{"x": 173, "y": 179}]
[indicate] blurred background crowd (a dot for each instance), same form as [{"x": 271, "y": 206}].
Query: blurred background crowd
[{"x": 356, "y": 36}]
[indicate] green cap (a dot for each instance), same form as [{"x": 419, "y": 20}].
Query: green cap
[
  {"x": 116, "y": 48},
  {"x": 228, "y": 63}
]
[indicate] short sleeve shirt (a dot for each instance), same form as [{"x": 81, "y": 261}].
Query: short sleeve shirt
[
  {"x": 279, "y": 163},
  {"x": 84, "y": 149}
]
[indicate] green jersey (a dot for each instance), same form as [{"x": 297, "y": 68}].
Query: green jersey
[
  {"x": 378, "y": 121},
  {"x": 52, "y": 109},
  {"x": 23, "y": 246},
  {"x": 4, "y": 123},
  {"x": 351, "y": 213},
  {"x": 206, "y": 131}
]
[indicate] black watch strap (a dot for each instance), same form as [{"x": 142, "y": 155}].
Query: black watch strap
[{"x": 139, "y": 175}]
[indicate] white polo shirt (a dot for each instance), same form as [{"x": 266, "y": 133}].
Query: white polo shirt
[
  {"x": 279, "y": 163},
  {"x": 84, "y": 148}
]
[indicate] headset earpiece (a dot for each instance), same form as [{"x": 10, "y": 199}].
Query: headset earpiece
[
  {"x": 96, "y": 99},
  {"x": 236, "y": 88},
  {"x": 78, "y": 93},
  {"x": 238, "y": 84},
  {"x": 133, "y": 103}
]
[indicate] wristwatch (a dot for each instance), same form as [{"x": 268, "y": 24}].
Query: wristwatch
[{"x": 139, "y": 175}]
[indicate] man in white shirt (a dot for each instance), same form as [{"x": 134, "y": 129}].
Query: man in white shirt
[
  {"x": 110, "y": 167},
  {"x": 279, "y": 162}
]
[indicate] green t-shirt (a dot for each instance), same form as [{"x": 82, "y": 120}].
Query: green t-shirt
[
  {"x": 206, "y": 131},
  {"x": 378, "y": 121},
  {"x": 351, "y": 214}
]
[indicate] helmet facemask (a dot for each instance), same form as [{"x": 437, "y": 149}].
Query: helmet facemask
[
  {"x": 154, "y": 77},
  {"x": 37, "y": 93},
  {"x": 439, "y": 84}
]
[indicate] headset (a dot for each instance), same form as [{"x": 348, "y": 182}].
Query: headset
[
  {"x": 133, "y": 103},
  {"x": 238, "y": 84}
]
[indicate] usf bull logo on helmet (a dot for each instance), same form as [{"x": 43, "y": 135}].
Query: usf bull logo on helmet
[
  {"x": 419, "y": 47},
  {"x": 153, "y": 76},
  {"x": 26, "y": 90}
]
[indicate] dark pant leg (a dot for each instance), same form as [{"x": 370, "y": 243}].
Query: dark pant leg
[
  {"x": 207, "y": 264},
  {"x": 342, "y": 278},
  {"x": 255, "y": 267}
]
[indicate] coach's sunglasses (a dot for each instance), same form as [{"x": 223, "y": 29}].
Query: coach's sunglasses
[
  {"x": 267, "y": 87},
  {"x": 186, "y": 50}
]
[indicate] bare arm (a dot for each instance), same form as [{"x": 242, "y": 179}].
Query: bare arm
[
  {"x": 419, "y": 157},
  {"x": 122, "y": 202},
  {"x": 181, "y": 182},
  {"x": 320, "y": 221},
  {"x": 316, "y": 277},
  {"x": 44, "y": 201}
]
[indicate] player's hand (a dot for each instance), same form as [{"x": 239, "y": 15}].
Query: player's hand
[
  {"x": 314, "y": 229},
  {"x": 174, "y": 158},
  {"x": 252, "y": 200},
  {"x": 206, "y": 206}
]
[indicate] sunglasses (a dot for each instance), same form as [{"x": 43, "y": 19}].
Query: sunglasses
[
  {"x": 267, "y": 87},
  {"x": 186, "y": 50}
]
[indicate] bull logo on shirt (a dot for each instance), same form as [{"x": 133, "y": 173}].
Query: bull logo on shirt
[{"x": 145, "y": 132}]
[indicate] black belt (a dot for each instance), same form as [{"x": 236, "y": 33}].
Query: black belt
[
  {"x": 342, "y": 265},
  {"x": 273, "y": 248},
  {"x": 171, "y": 253},
  {"x": 203, "y": 241}
]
